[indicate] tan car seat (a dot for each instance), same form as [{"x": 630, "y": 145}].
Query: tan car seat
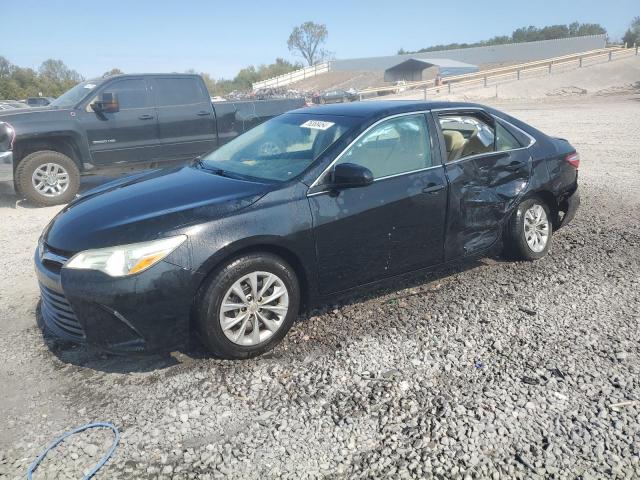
[
  {"x": 474, "y": 147},
  {"x": 454, "y": 142}
]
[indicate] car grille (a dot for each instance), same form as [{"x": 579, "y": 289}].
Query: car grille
[
  {"x": 58, "y": 315},
  {"x": 53, "y": 259}
]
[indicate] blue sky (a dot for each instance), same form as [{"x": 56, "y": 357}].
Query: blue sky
[{"x": 222, "y": 37}]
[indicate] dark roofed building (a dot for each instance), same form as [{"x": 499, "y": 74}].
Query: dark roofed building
[{"x": 411, "y": 69}]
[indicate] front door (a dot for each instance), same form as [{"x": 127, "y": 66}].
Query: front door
[
  {"x": 392, "y": 226},
  {"x": 129, "y": 135},
  {"x": 487, "y": 169}
]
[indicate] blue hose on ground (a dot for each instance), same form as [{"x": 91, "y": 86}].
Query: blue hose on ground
[{"x": 59, "y": 440}]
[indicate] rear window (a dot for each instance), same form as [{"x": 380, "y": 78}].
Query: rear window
[{"x": 178, "y": 91}]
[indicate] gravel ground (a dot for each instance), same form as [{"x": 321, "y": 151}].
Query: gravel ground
[{"x": 486, "y": 370}]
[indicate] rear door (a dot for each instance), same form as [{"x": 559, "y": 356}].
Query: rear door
[
  {"x": 392, "y": 226},
  {"x": 129, "y": 135},
  {"x": 186, "y": 121},
  {"x": 488, "y": 169}
]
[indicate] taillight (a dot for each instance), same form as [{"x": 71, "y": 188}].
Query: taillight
[{"x": 573, "y": 159}]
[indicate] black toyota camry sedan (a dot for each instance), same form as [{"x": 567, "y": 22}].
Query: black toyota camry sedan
[{"x": 309, "y": 205}]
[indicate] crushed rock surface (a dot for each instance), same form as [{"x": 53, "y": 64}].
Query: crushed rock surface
[{"x": 492, "y": 369}]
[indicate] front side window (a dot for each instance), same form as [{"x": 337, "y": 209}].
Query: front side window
[
  {"x": 396, "y": 146},
  {"x": 280, "y": 148},
  {"x": 131, "y": 93}
]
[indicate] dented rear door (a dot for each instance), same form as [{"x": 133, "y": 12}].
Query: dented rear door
[{"x": 483, "y": 191}]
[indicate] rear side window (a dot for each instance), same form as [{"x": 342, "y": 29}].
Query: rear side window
[
  {"x": 178, "y": 91},
  {"x": 505, "y": 139},
  {"x": 466, "y": 135}
]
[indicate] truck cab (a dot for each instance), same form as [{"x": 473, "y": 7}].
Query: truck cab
[{"x": 118, "y": 124}]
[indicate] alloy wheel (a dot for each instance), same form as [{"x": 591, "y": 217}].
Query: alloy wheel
[
  {"x": 50, "y": 179},
  {"x": 536, "y": 228},
  {"x": 254, "y": 308}
]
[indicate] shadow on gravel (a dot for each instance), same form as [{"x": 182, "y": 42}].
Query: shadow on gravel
[{"x": 94, "y": 359}]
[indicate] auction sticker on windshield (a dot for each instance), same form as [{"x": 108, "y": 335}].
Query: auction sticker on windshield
[{"x": 317, "y": 124}]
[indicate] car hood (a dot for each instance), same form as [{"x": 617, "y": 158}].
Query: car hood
[
  {"x": 28, "y": 120},
  {"x": 23, "y": 113},
  {"x": 147, "y": 206}
]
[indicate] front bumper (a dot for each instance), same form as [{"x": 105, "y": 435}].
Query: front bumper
[
  {"x": 148, "y": 312},
  {"x": 6, "y": 167}
]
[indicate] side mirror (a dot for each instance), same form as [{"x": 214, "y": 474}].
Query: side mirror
[
  {"x": 350, "y": 175},
  {"x": 108, "y": 103}
]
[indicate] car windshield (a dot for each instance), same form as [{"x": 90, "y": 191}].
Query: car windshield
[
  {"x": 280, "y": 148},
  {"x": 71, "y": 97}
]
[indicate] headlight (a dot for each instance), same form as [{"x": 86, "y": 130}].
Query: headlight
[{"x": 125, "y": 259}]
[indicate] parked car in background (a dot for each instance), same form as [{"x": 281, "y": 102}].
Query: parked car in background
[
  {"x": 356, "y": 194},
  {"x": 39, "y": 101},
  {"x": 335, "y": 96},
  {"x": 122, "y": 123}
]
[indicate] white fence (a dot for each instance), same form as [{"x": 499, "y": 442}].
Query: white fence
[{"x": 291, "y": 77}]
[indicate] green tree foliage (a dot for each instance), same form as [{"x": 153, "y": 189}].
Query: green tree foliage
[
  {"x": 631, "y": 36},
  {"x": 524, "y": 34},
  {"x": 112, "y": 72},
  {"x": 52, "y": 78},
  {"x": 247, "y": 76},
  {"x": 307, "y": 39}
]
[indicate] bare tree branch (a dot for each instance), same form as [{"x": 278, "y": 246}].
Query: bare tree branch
[{"x": 306, "y": 39}]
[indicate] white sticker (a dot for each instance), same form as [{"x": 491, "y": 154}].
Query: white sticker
[
  {"x": 90, "y": 86},
  {"x": 317, "y": 124}
]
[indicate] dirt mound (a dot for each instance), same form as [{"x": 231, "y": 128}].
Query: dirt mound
[{"x": 610, "y": 78}]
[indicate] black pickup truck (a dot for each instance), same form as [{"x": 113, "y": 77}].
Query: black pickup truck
[{"x": 116, "y": 124}]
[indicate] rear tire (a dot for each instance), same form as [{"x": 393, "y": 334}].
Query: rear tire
[
  {"x": 253, "y": 327},
  {"x": 47, "y": 178},
  {"x": 530, "y": 230}
]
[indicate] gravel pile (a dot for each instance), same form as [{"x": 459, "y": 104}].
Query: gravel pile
[{"x": 485, "y": 370}]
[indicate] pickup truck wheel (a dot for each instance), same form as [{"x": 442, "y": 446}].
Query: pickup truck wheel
[
  {"x": 529, "y": 231},
  {"x": 248, "y": 306},
  {"x": 47, "y": 178}
]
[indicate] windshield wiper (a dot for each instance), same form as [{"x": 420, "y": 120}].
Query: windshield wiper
[
  {"x": 216, "y": 171},
  {"x": 220, "y": 172}
]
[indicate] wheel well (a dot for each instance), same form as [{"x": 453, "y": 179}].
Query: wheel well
[
  {"x": 64, "y": 145},
  {"x": 550, "y": 200},
  {"x": 284, "y": 253}
]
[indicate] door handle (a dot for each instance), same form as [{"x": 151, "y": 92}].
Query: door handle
[
  {"x": 145, "y": 116},
  {"x": 203, "y": 113},
  {"x": 514, "y": 166},
  {"x": 432, "y": 188}
]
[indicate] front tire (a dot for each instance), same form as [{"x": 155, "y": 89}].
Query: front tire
[
  {"x": 248, "y": 306},
  {"x": 47, "y": 178},
  {"x": 529, "y": 232}
]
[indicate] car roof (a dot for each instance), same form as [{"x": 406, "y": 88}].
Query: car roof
[
  {"x": 379, "y": 108},
  {"x": 125, "y": 75}
]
